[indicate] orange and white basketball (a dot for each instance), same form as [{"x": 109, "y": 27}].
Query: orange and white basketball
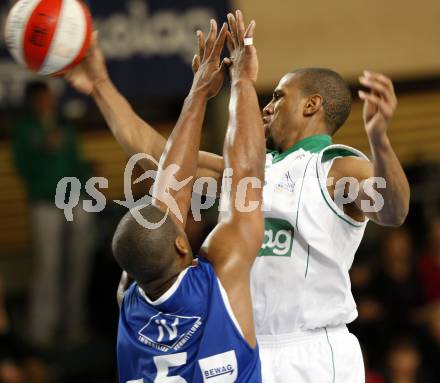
[{"x": 48, "y": 36}]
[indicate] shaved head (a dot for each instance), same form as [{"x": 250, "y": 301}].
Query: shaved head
[
  {"x": 146, "y": 255},
  {"x": 332, "y": 88}
]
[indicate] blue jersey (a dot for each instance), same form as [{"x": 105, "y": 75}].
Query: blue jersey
[{"x": 189, "y": 335}]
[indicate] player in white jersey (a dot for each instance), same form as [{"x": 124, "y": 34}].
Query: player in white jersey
[
  {"x": 317, "y": 198},
  {"x": 301, "y": 286}
]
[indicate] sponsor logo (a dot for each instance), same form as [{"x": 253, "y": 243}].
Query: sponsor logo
[
  {"x": 166, "y": 332},
  {"x": 287, "y": 183},
  {"x": 220, "y": 368},
  {"x": 278, "y": 238}
]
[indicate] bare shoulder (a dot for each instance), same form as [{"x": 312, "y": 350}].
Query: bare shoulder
[{"x": 351, "y": 166}]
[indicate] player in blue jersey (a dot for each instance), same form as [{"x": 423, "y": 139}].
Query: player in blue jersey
[{"x": 186, "y": 320}]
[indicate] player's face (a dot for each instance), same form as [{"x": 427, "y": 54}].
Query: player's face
[{"x": 283, "y": 115}]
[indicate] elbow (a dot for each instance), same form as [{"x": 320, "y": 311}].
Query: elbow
[
  {"x": 245, "y": 163},
  {"x": 396, "y": 219}
]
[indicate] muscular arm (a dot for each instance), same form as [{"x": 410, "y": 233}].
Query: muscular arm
[
  {"x": 379, "y": 107},
  {"x": 182, "y": 147},
  {"x": 234, "y": 243},
  {"x": 137, "y": 136},
  {"x": 132, "y": 133},
  {"x": 394, "y": 195}
]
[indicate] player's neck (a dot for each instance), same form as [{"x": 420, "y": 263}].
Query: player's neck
[
  {"x": 307, "y": 131},
  {"x": 156, "y": 289}
]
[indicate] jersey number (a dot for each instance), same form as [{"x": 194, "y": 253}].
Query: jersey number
[{"x": 163, "y": 363}]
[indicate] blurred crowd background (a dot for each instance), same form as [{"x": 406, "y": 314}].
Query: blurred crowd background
[{"x": 58, "y": 313}]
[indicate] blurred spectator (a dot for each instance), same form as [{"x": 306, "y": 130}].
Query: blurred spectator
[
  {"x": 45, "y": 150},
  {"x": 429, "y": 264},
  {"x": 396, "y": 286},
  {"x": 16, "y": 365},
  {"x": 432, "y": 343},
  {"x": 371, "y": 375},
  {"x": 369, "y": 327},
  {"x": 404, "y": 364}
]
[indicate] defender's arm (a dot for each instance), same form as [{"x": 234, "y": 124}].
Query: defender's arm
[
  {"x": 233, "y": 245},
  {"x": 132, "y": 132},
  {"x": 181, "y": 150}
]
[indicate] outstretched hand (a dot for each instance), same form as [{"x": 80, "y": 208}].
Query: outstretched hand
[
  {"x": 379, "y": 104},
  {"x": 92, "y": 70},
  {"x": 244, "y": 56},
  {"x": 209, "y": 72}
]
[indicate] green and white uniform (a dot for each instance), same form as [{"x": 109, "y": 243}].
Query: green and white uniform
[{"x": 300, "y": 283}]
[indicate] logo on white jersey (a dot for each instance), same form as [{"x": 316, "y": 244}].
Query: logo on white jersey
[
  {"x": 278, "y": 238},
  {"x": 220, "y": 368},
  {"x": 287, "y": 183},
  {"x": 165, "y": 331}
]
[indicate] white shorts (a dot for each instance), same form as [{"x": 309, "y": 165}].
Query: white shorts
[{"x": 327, "y": 355}]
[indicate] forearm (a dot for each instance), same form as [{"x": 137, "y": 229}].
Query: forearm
[
  {"x": 397, "y": 192},
  {"x": 132, "y": 133},
  {"x": 244, "y": 143},
  {"x": 136, "y": 136},
  {"x": 182, "y": 151}
]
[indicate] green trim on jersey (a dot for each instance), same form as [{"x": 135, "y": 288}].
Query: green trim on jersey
[
  {"x": 337, "y": 152},
  {"x": 308, "y": 257},
  {"x": 300, "y": 192},
  {"x": 334, "y": 211},
  {"x": 326, "y": 156},
  {"x": 313, "y": 144}
]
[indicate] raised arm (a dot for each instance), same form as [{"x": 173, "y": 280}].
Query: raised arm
[
  {"x": 383, "y": 177},
  {"x": 178, "y": 163},
  {"x": 379, "y": 107},
  {"x": 132, "y": 132},
  {"x": 233, "y": 245}
]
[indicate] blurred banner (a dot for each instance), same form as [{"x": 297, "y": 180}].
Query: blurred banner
[{"x": 149, "y": 45}]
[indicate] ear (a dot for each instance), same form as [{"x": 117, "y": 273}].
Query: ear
[
  {"x": 181, "y": 245},
  {"x": 312, "y": 105}
]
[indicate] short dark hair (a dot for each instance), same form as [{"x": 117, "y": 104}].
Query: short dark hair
[
  {"x": 334, "y": 90},
  {"x": 145, "y": 254},
  {"x": 34, "y": 88}
]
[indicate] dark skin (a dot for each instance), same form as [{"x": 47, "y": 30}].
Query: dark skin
[
  {"x": 291, "y": 117},
  {"x": 245, "y": 229}
]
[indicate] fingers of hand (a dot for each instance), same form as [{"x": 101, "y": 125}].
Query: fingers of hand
[
  {"x": 374, "y": 99},
  {"x": 229, "y": 42},
  {"x": 201, "y": 44},
  {"x": 233, "y": 29},
  {"x": 384, "y": 80},
  {"x": 196, "y": 63},
  {"x": 383, "y": 89},
  {"x": 249, "y": 34},
  {"x": 250, "y": 30},
  {"x": 211, "y": 39},
  {"x": 219, "y": 43},
  {"x": 226, "y": 63},
  {"x": 376, "y": 86},
  {"x": 93, "y": 43},
  {"x": 240, "y": 27}
]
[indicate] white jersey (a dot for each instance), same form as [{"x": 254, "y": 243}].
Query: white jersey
[{"x": 300, "y": 279}]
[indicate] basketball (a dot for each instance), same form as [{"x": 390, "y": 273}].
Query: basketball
[{"x": 48, "y": 37}]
